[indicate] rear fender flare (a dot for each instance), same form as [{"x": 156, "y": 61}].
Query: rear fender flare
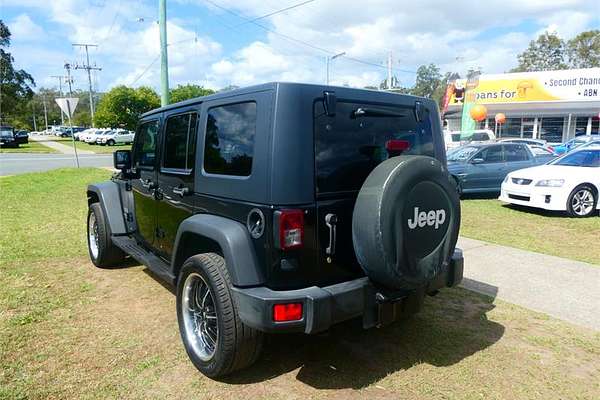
[{"x": 235, "y": 243}]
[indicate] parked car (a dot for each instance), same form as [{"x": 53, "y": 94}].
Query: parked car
[
  {"x": 7, "y": 137},
  {"x": 91, "y": 137},
  {"x": 456, "y": 139},
  {"x": 481, "y": 168},
  {"x": 527, "y": 141},
  {"x": 269, "y": 226},
  {"x": 22, "y": 137},
  {"x": 573, "y": 143},
  {"x": 118, "y": 136},
  {"x": 570, "y": 183}
]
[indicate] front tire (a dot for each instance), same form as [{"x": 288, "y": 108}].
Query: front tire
[
  {"x": 582, "y": 201},
  {"x": 215, "y": 339},
  {"x": 103, "y": 252},
  {"x": 110, "y": 142}
]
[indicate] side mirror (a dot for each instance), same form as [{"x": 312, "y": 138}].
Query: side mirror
[
  {"x": 477, "y": 161},
  {"x": 122, "y": 159},
  {"x": 329, "y": 102}
]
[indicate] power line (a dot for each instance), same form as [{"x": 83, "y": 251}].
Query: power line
[
  {"x": 291, "y": 39},
  {"x": 277, "y": 12},
  {"x": 145, "y": 70}
]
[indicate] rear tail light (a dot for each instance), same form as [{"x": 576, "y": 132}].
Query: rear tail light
[
  {"x": 397, "y": 145},
  {"x": 287, "y": 312},
  {"x": 289, "y": 229}
]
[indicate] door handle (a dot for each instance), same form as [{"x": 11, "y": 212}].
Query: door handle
[
  {"x": 182, "y": 191},
  {"x": 331, "y": 221},
  {"x": 148, "y": 184}
]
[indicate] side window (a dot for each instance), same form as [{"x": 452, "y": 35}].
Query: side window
[
  {"x": 144, "y": 154},
  {"x": 229, "y": 143},
  {"x": 492, "y": 154},
  {"x": 516, "y": 153},
  {"x": 180, "y": 142}
]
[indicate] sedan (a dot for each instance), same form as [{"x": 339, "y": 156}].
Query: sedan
[
  {"x": 481, "y": 168},
  {"x": 573, "y": 143},
  {"x": 570, "y": 183}
]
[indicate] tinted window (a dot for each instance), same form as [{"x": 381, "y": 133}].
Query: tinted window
[
  {"x": 583, "y": 158},
  {"x": 145, "y": 148},
  {"x": 349, "y": 146},
  {"x": 492, "y": 154},
  {"x": 229, "y": 144},
  {"x": 515, "y": 153},
  {"x": 461, "y": 153},
  {"x": 180, "y": 142},
  {"x": 540, "y": 151}
]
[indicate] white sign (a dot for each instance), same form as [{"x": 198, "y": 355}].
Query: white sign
[{"x": 67, "y": 105}]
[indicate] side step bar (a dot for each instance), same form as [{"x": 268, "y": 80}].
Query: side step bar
[{"x": 153, "y": 262}]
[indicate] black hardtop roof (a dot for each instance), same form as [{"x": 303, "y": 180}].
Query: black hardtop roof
[{"x": 274, "y": 86}]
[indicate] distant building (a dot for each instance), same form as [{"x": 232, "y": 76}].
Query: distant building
[{"x": 550, "y": 105}]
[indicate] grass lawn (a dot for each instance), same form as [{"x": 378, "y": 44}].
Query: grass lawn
[
  {"x": 31, "y": 147},
  {"x": 95, "y": 148},
  {"x": 536, "y": 230},
  {"x": 72, "y": 331}
]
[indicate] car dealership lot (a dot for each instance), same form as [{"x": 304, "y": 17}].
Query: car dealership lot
[{"x": 463, "y": 345}]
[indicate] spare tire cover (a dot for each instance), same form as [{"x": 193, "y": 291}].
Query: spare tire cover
[{"x": 405, "y": 222}]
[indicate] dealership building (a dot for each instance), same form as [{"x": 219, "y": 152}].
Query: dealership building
[{"x": 551, "y": 105}]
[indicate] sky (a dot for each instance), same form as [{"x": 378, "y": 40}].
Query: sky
[{"x": 216, "y": 43}]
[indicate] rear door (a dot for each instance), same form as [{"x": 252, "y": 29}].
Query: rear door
[
  {"x": 176, "y": 176},
  {"x": 144, "y": 186},
  {"x": 348, "y": 146}
]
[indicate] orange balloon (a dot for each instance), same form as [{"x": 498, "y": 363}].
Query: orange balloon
[
  {"x": 500, "y": 118},
  {"x": 478, "y": 112}
]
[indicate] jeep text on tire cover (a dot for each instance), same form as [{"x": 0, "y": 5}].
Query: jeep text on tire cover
[{"x": 286, "y": 207}]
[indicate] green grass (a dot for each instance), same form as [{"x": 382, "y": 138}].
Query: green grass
[
  {"x": 529, "y": 229},
  {"x": 72, "y": 331},
  {"x": 42, "y": 215},
  {"x": 31, "y": 147},
  {"x": 84, "y": 146}
]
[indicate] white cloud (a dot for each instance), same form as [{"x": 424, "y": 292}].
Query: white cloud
[{"x": 22, "y": 28}]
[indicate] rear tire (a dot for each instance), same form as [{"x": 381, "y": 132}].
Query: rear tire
[
  {"x": 215, "y": 339},
  {"x": 582, "y": 201},
  {"x": 103, "y": 252},
  {"x": 110, "y": 142}
]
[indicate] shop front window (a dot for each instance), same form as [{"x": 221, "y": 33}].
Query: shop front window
[
  {"x": 581, "y": 126},
  {"x": 510, "y": 129},
  {"x": 551, "y": 129},
  {"x": 596, "y": 126}
]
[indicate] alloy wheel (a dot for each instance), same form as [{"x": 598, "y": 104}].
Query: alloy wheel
[
  {"x": 93, "y": 235},
  {"x": 582, "y": 202}
]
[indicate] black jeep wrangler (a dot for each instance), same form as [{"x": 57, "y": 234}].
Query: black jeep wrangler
[{"x": 283, "y": 208}]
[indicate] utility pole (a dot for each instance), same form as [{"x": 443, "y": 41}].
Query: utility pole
[
  {"x": 60, "y": 80},
  {"x": 329, "y": 59},
  {"x": 389, "y": 71},
  {"x": 45, "y": 111},
  {"x": 164, "y": 62},
  {"x": 34, "y": 122},
  {"x": 69, "y": 81},
  {"x": 89, "y": 70}
]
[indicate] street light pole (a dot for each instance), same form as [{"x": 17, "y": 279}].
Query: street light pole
[
  {"x": 164, "y": 63},
  {"x": 331, "y": 58}
]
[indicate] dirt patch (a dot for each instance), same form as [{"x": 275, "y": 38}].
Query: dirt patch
[{"x": 113, "y": 334}]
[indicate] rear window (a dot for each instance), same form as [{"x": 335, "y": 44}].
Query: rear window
[{"x": 349, "y": 146}]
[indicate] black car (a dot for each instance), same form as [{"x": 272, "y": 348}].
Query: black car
[
  {"x": 7, "y": 137},
  {"x": 283, "y": 208},
  {"x": 22, "y": 137}
]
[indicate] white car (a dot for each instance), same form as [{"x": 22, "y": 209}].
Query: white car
[
  {"x": 118, "y": 136},
  {"x": 570, "y": 183},
  {"x": 84, "y": 134},
  {"x": 91, "y": 137},
  {"x": 454, "y": 139}
]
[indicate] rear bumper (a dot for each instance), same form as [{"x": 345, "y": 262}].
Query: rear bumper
[{"x": 326, "y": 306}]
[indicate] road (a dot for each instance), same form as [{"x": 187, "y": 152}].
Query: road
[{"x": 14, "y": 164}]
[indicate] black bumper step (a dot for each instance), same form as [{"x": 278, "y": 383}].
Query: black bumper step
[{"x": 150, "y": 260}]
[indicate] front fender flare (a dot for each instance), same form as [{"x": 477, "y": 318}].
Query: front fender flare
[
  {"x": 110, "y": 201},
  {"x": 235, "y": 242}
]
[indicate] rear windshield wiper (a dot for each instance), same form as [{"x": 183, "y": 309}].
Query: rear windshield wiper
[{"x": 375, "y": 112}]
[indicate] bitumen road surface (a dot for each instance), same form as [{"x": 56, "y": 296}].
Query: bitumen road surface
[{"x": 14, "y": 164}]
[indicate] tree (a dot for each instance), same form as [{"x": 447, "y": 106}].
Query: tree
[
  {"x": 122, "y": 106},
  {"x": 189, "y": 91},
  {"x": 15, "y": 84},
  {"x": 546, "y": 53},
  {"x": 584, "y": 50},
  {"x": 428, "y": 82}
]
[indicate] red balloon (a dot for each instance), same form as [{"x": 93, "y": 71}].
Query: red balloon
[
  {"x": 478, "y": 113},
  {"x": 500, "y": 118}
]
